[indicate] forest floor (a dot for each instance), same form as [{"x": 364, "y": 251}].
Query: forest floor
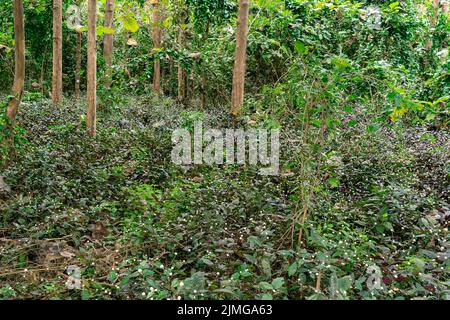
[{"x": 136, "y": 226}]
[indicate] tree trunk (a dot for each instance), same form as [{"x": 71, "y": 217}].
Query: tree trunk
[
  {"x": 237, "y": 99},
  {"x": 127, "y": 72},
  {"x": 19, "y": 74},
  {"x": 57, "y": 52},
  {"x": 203, "y": 92},
  {"x": 108, "y": 41},
  {"x": 92, "y": 69},
  {"x": 432, "y": 19},
  {"x": 444, "y": 5},
  {"x": 181, "y": 73},
  {"x": 203, "y": 76},
  {"x": 156, "y": 44},
  {"x": 43, "y": 67},
  {"x": 78, "y": 66},
  {"x": 191, "y": 86}
]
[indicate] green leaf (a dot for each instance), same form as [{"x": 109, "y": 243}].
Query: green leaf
[
  {"x": 277, "y": 283},
  {"x": 167, "y": 22},
  {"x": 265, "y": 285},
  {"x": 207, "y": 261},
  {"x": 372, "y": 128},
  {"x": 112, "y": 276},
  {"x": 430, "y": 116},
  {"x": 250, "y": 258},
  {"x": 225, "y": 290},
  {"x": 398, "y": 100},
  {"x": 344, "y": 283},
  {"x": 316, "y": 296},
  {"x": 380, "y": 228},
  {"x": 352, "y": 123},
  {"x": 317, "y": 239},
  {"x": 300, "y": 47},
  {"x": 394, "y": 5},
  {"x": 101, "y": 30},
  {"x": 254, "y": 242},
  {"x": 265, "y": 264},
  {"x": 419, "y": 264},
  {"x": 292, "y": 269},
  {"x": 124, "y": 281},
  {"x": 334, "y": 182},
  {"x": 266, "y": 296},
  {"x": 130, "y": 24},
  {"x": 348, "y": 109},
  {"x": 85, "y": 294},
  {"x": 107, "y": 30},
  {"x": 388, "y": 226}
]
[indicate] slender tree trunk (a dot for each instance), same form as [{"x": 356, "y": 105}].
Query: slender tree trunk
[
  {"x": 237, "y": 99},
  {"x": 43, "y": 67},
  {"x": 203, "y": 76},
  {"x": 432, "y": 18},
  {"x": 78, "y": 66},
  {"x": 19, "y": 74},
  {"x": 57, "y": 52},
  {"x": 191, "y": 86},
  {"x": 108, "y": 41},
  {"x": 127, "y": 72},
  {"x": 156, "y": 44},
  {"x": 203, "y": 92},
  {"x": 92, "y": 69},
  {"x": 181, "y": 73}
]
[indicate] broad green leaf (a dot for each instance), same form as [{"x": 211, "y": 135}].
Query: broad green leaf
[
  {"x": 266, "y": 296},
  {"x": 394, "y": 5},
  {"x": 130, "y": 24},
  {"x": 372, "y": 128},
  {"x": 352, "y": 123},
  {"x": 265, "y": 285},
  {"x": 334, "y": 182},
  {"x": 277, "y": 283},
  {"x": 292, "y": 269},
  {"x": 300, "y": 47},
  {"x": 344, "y": 283}
]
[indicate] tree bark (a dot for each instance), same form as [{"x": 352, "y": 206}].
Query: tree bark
[
  {"x": 203, "y": 92},
  {"x": 108, "y": 41},
  {"x": 181, "y": 73},
  {"x": 92, "y": 69},
  {"x": 191, "y": 89},
  {"x": 57, "y": 52},
  {"x": 78, "y": 66},
  {"x": 432, "y": 18},
  {"x": 203, "y": 76},
  {"x": 156, "y": 45},
  {"x": 19, "y": 74},
  {"x": 43, "y": 67},
  {"x": 237, "y": 99}
]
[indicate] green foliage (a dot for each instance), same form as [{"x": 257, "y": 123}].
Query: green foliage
[
  {"x": 363, "y": 112},
  {"x": 12, "y": 139}
]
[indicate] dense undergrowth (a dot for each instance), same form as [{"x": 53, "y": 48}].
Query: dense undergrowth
[
  {"x": 360, "y": 209},
  {"x": 140, "y": 227}
]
